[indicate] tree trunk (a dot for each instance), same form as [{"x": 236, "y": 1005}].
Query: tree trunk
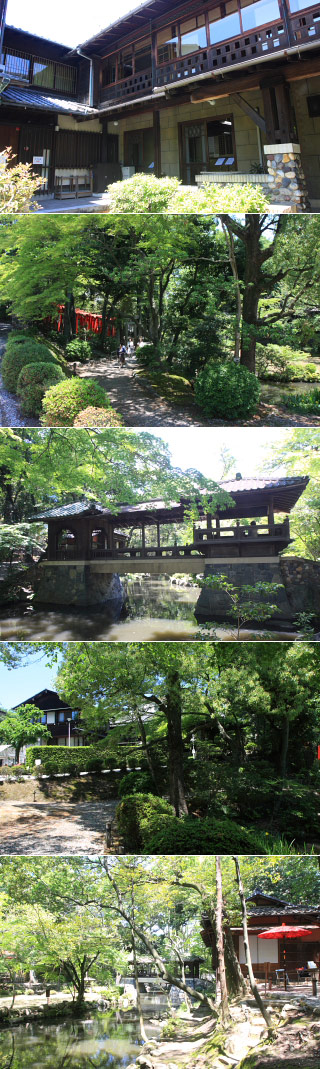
[
  {"x": 234, "y": 268},
  {"x": 236, "y": 983},
  {"x": 146, "y": 747},
  {"x": 136, "y": 976},
  {"x": 225, "y": 1013},
  {"x": 252, "y": 982},
  {"x": 175, "y": 744},
  {"x": 69, "y": 325},
  {"x": 284, "y": 747}
]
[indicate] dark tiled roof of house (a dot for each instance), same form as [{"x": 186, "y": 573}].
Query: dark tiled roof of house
[{"x": 45, "y": 102}]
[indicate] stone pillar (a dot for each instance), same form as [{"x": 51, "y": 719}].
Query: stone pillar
[
  {"x": 214, "y": 605},
  {"x": 289, "y": 184},
  {"x": 78, "y": 586}
]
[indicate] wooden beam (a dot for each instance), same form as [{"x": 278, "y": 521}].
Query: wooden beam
[
  {"x": 223, "y": 89},
  {"x": 248, "y": 110}
]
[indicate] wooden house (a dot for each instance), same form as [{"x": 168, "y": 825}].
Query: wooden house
[
  {"x": 271, "y": 955},
  {"x": 229, "y": 89},
  {"x": 62, "y": 721}
]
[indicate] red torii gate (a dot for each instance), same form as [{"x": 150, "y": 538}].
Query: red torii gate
[{"x": 90, "y": 321}]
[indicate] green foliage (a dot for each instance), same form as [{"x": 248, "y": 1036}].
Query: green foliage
[
  {"x": 20, "y": 539},
  {"x": 147, "y": 822},
  {"x": 62, "y": 403},
  {"x": 18, "y": 185},
  {"x": 147, "y": 354},
  {"x": 138, "y": 812},
  {"x": 142, "y": 193},
  {"x": 227, "y": 391},
  {"x": 33, "y": 382},
  {"x": 285, "y": 364},
  {"x": 145, "y": 193},
  {"x": 20, "y": 351},
  {"x": 136, "y": 783},
  {"x": 98, "y": 417},
  {"x": 79, "y": 349},
  {"x": 72, "y": 759},
  {"x": 21, "y": 726},
  {"x": 306, "y": 403}
]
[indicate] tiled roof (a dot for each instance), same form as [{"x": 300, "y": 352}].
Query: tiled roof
[
  {"x": 44, "y": 102},
  {"x": 263, "y": 911},
  {"x": 231, "y": 485},
  {"x": 77, "y": 508}
]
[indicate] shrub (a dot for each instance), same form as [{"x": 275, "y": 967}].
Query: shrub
[
  {"x": 284, "y": 364},
  {"x": 33, "y": 381},
  {"x": 98, "y": 417},
  {"x": 147, "y": 354},
  {"x": 79, "y": 349},
  {"x": 145, "y": 193},
  {"x": 308, "y": 403},
  {"x": 227, "y": 391},
  {"x": 142, "y": 193},
  {"x": 71, "y": 759},
  {"x": 17, "y": 185},
  {"x": 63, "y": 402},
  {"x": 148, "y": 823},
  {"x": 136, "y": 783},
  {"x": 136, "y": 812},
  {"x": 21, "y": 351}
]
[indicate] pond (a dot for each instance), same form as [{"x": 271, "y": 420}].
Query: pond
[
  {"x": 156, "y": 610},
  {"x": 275, "y": 392},
  {"x": 104, "y": 1041}
]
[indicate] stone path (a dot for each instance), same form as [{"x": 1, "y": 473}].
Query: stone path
[
  {"x": 55, "y": 827},
  {"x": 138, "y": 403}
]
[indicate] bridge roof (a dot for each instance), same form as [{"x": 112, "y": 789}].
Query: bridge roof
[{"x": 251, "y": 497}]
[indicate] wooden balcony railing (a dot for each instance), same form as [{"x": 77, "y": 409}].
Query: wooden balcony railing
[
  {"x": 306, "y": 27},
  {"x": 237, "y": 541},
  {"x": 136, "y": 85}
]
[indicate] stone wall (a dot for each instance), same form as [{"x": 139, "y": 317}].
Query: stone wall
[
  {"x": 299, "y": 592},
  {"x": 77, "y": 586}
]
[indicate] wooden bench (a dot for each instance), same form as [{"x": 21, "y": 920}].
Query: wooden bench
[{"x": 73, "y": 186}]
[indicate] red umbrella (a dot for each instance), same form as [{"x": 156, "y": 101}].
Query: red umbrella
[{"x": 287, "y": 931}]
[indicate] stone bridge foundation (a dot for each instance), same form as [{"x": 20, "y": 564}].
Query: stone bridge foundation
[
  {"x": 78, "y": 585},
  {"x": 299, "y": 591}
]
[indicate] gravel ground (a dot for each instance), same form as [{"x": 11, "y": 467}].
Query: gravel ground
[
  {"x": 10, "y": 415},
  {"x": 55, "y": 827}
]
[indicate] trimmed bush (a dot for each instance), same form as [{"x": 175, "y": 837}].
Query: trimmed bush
[
  {"x": 137, "y": 812},
  {"x": 148, "y": 823},
  {"x": 145, "y": 193},
  {"x": 136, "y": 783},
  {"x": 33, "y": 382},
  {"x": 72, "y": 759},
  {"x": 142, "y": 193},
  {"x": 227, "y": 391},
  {"x": 79, "y": 349},
  {"x": 62, "y": 403},
  {"x": 20, "y": 352},
  {"x": 98, "y": 417}
]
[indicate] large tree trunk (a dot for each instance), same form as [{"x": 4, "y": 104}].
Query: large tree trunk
[
  {"x": 136, "y": 977},
  {"x": 236, "y": 983},
  {"x": 175, "y": 743},
  {"x": 252, "y": 982},
  {"x": 220, "y": 947},
  {"x": 146, "y": 747}
]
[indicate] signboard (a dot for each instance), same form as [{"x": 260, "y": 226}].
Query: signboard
[{"x": 38, "y": 160}]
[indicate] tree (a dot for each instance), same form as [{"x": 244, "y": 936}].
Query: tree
[
  {"x": 22, "y": 726},
  {"x": 18, "y": 186},
  {"x": 299, "y": 451},
  {"x": 246, "y": 603},
  {"x": 252, "y": 981},
  {"x": 220, "y": 947}
]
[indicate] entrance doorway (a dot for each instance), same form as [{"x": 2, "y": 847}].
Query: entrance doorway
[
  {"x": 9, "y": 138},
  {"x": 36, "y": 148},
  {"x": 207, "y": 146},
  {"x": 139, "y": 149}
]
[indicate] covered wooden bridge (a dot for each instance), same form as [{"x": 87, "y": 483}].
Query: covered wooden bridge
[{"x": 135, "y": 537}]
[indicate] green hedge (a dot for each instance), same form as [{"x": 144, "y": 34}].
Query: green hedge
[
  {"x": 227, "y": 391},
  {"x": 62, "y": 403},
  {"x": 72, "y": 759},
  {"x": 33, "y": 382},
  {"x": 148, "y": 823},
  {"x": 136, "y": 783},
  {"x": 19, "y": 352}
]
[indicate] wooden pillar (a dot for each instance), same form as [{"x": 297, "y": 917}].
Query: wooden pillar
[
  {"x": 194, "y": 532},
  {"x": 271, "y": 516},
  {"x": 209, "y": 524},
  {"x": 158, "y": 536},
  {"x": 217, "y": 526},
  {"x": 278, "y": 111},
  {"x": 143, "y": 536},
  {"x": 157, "y": 143}
]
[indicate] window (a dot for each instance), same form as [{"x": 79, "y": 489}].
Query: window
[
  {"x": 299, "y": 5},
  {"x": 125, "y": 65},
  {"x": 43, "y": 73},
  {"x": 44, "y": 718},
  {"x": 51, "y": 718},
  {"x": 65, "y": 79},
  {"x": 193, "y": 35},
  {"x": 229, "y": 26},
  {"x": 109, "y": 72},
  {"x": 142, "y": 55},
  {"x": 258, "y": 14},
  {"x": 16, "y": 64},
  {"x": 167, "y": 41},
  {"x": 314, "y": 106},
  {"x": 61, "y": 717},
  {"x": 220, "y": 142}
]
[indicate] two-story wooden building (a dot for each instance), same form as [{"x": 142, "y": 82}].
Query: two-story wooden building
[
  {"x": 229, "y": 88},
  {"x": 62, "y": 721}
]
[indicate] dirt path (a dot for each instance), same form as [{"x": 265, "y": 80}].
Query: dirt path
[
  {"x": 55, "y": 827},
  {"x": 141, "y": 406}
]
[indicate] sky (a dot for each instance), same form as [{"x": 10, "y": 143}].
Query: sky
[
  {"x": 70, "y": 22},
  {"x": 200, "y": 448},
  {"x": 19, "y": 684}
]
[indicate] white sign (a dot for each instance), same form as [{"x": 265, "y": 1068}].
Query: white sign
[{"x": 38, "y": 159}]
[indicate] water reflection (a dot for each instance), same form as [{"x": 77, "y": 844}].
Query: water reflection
[
  {"x": 157, "y": 611},
  {"x": 105, "y": 1042}
]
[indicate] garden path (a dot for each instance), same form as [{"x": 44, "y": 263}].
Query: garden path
[{"x": 55, "y": 827}]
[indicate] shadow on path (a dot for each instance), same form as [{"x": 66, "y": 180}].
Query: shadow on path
[{"x": 55, "y": 827}]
